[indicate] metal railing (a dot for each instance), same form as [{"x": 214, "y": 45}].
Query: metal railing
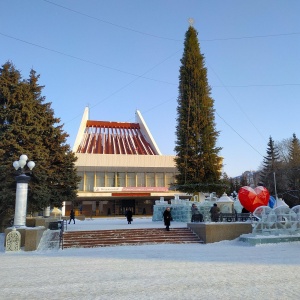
[{"x": 63, "y": 227}]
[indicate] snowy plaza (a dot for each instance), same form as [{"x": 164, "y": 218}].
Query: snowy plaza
[{"x": 223, "y": 270}]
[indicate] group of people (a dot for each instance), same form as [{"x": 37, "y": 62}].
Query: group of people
[
  {"x": 166, "y": 215},
  {"x": 196, "y": 215}
]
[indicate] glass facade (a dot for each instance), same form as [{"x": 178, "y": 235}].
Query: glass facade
[{"x": 89, "y": 180}]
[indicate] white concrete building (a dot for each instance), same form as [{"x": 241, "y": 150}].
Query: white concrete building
[{"x": 121, "y": 167}]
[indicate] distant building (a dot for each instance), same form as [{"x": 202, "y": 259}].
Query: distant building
[
  {"x": 121, "y": 167},
  {"x": 249, "y": 178}
]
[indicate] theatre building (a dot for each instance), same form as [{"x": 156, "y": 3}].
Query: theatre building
[{"x": 121, "y": 167}]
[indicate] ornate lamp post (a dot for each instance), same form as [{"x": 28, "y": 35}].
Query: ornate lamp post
[{"x": 22, "y": 190}]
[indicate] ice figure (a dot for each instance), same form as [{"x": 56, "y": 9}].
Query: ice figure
[{"x": 280, "y": 220}]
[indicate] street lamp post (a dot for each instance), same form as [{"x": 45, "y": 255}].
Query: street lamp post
[
  {"x": 22, "y": 190},
  {"x": 275, "y": 189}
]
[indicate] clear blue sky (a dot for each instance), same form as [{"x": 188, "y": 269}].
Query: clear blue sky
[{"x": 117, "y": 56}]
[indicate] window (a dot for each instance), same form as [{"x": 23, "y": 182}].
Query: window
[
  {"x": 140, "y": 179},
  {"x": 131, "y": 179},
  {"x": 80, "y": 184},
  {"x": 100, "y": 179},
  {"x": 169, "y": 179},
  {"x": 150, "y": 179},
  {"x": 121, "y": 179},
  {"x": 89, "y": 181},
  {"x": 160, "y": 179},
  {"x": 110, "y": 179}
]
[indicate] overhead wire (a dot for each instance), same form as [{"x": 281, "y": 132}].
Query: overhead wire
[
  {"x": 238, "y": 134},
  {"x": 139, "y": 77},
  {"x": 129, "y": 83},
  {"x": 203, "y": 40},
  {"x": 130, "y": 73},
  {"x": 236, "y": 102},
  {"x": 110, "y": 23},
  {"x": 257, "y": 85},
  {"x": 142, "y": 76},
  {"x": 252, "y": 37},
  {"x": 82, "y": 59},
  {"x": 167, "y": 38},
  {"x": 97, "y": 64}
]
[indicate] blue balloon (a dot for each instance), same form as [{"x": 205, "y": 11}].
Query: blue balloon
[{"x": 272, "y": 201}]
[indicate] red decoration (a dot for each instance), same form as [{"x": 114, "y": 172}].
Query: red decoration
[{"x": 252, "y": 198}]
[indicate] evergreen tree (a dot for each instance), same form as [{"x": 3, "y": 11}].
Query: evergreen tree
[
  {"x": 271, "y": 174},
  {"x": 197, "y": 157},
  {"x": 293, "y": 173},
  {"x": 28, "y": 126},
  {"x": 236, "y": 182},
  {"x": 243, "y": 180},
  {"x": 227, "y": 183},
  {"x": 9, "y": 85},
  {"x": 231, "y": 188}
]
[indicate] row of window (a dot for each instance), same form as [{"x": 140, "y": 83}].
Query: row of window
[{"x": 89, "y": 180}]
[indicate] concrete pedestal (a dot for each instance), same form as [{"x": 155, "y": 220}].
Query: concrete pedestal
[
  {"x": 216, "y": 232},
  {"x": 30, "y": 236},
  {"x": 33, "y": 237}
]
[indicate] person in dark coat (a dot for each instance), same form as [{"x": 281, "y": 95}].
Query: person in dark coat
[
  {"x": 215, "y": 213},
  {"x": 196, "y": 215},
  {"x": 72, "y": 216},
  {"x": 128, "y": 215},
  {"x": 167, "y": 218},
  {"x": 245, "y": 211}
]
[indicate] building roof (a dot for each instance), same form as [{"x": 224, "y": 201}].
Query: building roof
[{"x": 105, "y": 137}]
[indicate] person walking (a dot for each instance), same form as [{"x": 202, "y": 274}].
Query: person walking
[
  {"x": 129, "y": 215},
  {"x": 72, "y": 216},
  {"x": 167, "y": 218},
  {"x": 215, "y": 213}
]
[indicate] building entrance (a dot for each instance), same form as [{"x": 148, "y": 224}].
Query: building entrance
[{"x": 127, "y": 204}]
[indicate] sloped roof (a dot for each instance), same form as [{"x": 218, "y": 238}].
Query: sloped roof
[{"x": 104, "y": 137}]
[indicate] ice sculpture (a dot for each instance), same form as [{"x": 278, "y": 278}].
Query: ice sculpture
[{"x": 279, "y": 220}]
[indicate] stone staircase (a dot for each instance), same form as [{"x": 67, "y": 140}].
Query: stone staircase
[{"x": 104, "y": 238}]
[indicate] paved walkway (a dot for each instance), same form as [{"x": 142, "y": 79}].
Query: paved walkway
[{"x": 119, "y": 223}]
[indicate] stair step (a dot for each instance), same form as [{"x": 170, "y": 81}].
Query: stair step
[
  {"x": 104, "y": 238},
  {"x": 96, "y": 245}
]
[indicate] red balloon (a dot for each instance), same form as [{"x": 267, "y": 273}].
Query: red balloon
[{"x": 252, "y": 198}]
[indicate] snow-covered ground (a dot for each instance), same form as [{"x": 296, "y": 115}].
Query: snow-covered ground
[{"x": 224, "y": 270}]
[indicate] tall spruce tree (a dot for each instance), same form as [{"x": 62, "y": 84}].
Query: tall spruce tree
[
  {"x": 28, "y": 126},
  {"x": 197, "y": 157},
  {"x": 271, "y": 174},
  {"x": 293, "y": 173}
]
